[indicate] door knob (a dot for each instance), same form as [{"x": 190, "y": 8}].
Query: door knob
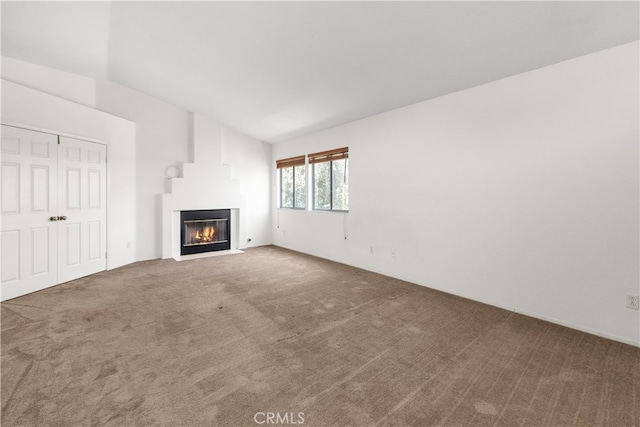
[
  {"x": 54, "y": 218},
  {"x": 62, "y": 218}
]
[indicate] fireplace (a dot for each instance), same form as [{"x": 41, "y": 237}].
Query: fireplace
[{"x": 205, "y": 231}]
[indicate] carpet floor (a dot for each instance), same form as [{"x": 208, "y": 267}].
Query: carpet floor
[{"x": 274, "y": 336}]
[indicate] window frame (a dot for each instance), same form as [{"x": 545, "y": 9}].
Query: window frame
[
  {"x": 291, "y": 162},
  {"x": 327, "y": 157}
]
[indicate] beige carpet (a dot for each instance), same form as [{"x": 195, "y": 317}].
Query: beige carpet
[{"x": 227, "y": 340}]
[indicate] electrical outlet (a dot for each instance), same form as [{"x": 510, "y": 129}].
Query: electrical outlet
[
  {"x": 393, "y": 254},
  {"x": 371, "y": 249},
  {"x": 633, "y": 301}
]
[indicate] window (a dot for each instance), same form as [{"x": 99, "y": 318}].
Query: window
[
  {"x": 330, "y": 179},
  {"x": 293, "y": 185}
]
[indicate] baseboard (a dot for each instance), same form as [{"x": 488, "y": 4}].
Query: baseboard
[{"x": 576, "y": 327}]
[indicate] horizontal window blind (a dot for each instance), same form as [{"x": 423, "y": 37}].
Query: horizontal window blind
[
  {"x": 291, "y": 161},
  {"x": 325, "y": 156}
]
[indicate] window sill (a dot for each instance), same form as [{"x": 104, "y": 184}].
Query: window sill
[{"x": 329, "y": 210}]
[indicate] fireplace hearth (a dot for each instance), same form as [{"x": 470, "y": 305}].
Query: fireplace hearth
[{"x": 205, "y": 231}]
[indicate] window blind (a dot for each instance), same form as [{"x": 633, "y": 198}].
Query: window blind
[
  {"x": 325, "y": 156},
  {"x": 291, "y": 161}
]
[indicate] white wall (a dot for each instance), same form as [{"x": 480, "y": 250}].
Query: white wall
[
  {"x": 251, "y": 166},
  {"x": 522, "y": 193},
  {"x": 65, "y": 85},
  {"x": 162, "y": 140},
  {"x": 40, "y": 111}
]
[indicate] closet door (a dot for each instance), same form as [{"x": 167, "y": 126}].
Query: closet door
[
  {"x": 82, "y": 197},
  {"x": 28, "y": 205}
]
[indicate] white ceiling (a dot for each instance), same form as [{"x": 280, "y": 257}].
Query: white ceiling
[{"x": 277, "y": 70}]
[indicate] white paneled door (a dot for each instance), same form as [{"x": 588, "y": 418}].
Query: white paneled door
[
  {"x": 82, "y": 199},
  {"x": 29, "y": 200},
  {"x": 53, "y": 206}
]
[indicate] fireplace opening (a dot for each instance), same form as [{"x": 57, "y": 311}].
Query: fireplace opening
[{"x": 205, "y": 231}]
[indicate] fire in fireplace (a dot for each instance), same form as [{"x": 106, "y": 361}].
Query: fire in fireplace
[{"x": 205, "y": 231}]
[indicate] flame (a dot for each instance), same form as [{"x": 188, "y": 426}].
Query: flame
[{"x": 204, "y": 235}]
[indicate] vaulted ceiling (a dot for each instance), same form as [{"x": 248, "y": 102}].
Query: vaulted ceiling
[{"x": 277, "y": 70}]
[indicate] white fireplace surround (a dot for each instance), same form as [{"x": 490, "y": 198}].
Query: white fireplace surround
[{"x": 205, "y": 184}]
